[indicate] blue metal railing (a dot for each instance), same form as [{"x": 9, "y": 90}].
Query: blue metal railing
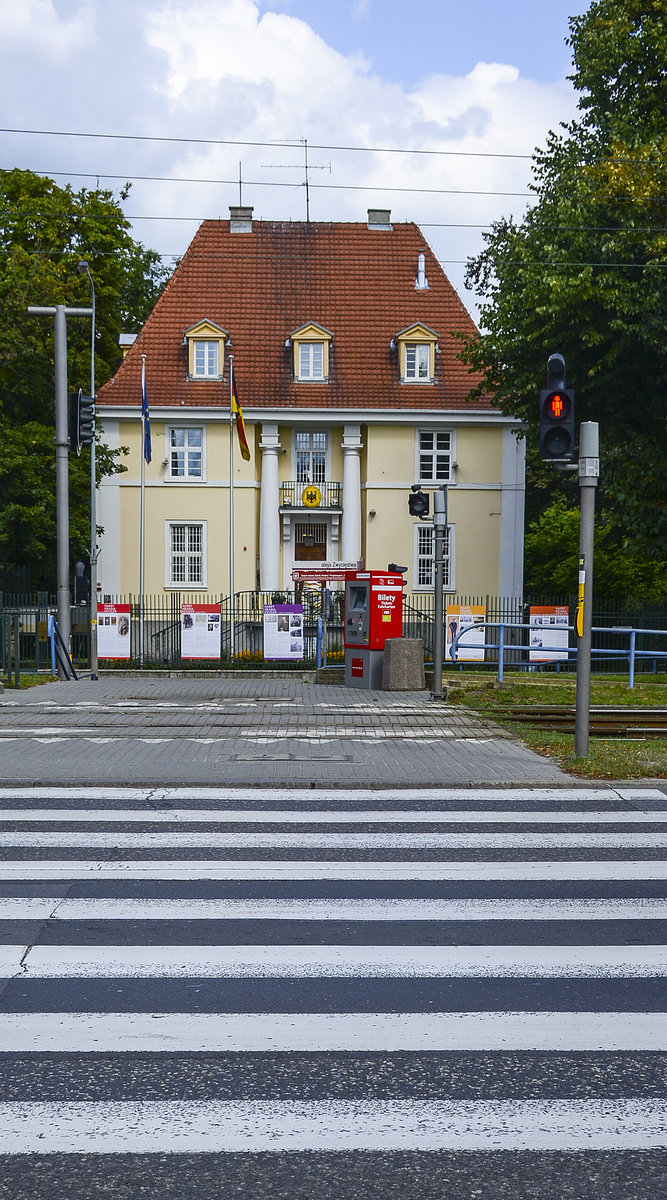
[{"x": 631, "y": 654}]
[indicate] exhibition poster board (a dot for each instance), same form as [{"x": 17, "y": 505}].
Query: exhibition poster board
[
  {"x": 200, "y": 631},
  {"x": 461, "y": 617},
  {"x": 283, "y": 631},
  {"x": 113, "y": 631},
  {"x": 549, "y": 634}
]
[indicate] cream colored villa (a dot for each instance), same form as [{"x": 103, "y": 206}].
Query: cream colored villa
[{"x": 342, "y": 339}]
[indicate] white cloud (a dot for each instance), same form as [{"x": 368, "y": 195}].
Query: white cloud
[
  {"x": 229, "y": 70},
  {"x": 35, "y": 26}
]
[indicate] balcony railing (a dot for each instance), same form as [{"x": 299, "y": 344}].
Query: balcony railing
[{"x": 304, "y": 495}]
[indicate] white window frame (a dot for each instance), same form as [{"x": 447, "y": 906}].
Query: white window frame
[
  {"x": 313, "y": 476},
  {"x": 188, "y": 583},
  {"x": 309, "y": 369},
  {"x": 420, "y": 370},
  {"x": 423, "y": 562},
  {"x": 188, "y": 476},
  {"x": 210, "y": 367},
  {"x": 434, "y": 479}
]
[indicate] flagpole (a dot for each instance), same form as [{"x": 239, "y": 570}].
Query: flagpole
[
  {"x": 142, "y": 518},
  {"x": 231, "y": 507}
]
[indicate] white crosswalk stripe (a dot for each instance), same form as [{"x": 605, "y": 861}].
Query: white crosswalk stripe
[{"x": 444, "y": 973}]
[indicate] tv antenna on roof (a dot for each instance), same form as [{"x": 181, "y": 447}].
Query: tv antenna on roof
[{"x": 306, "y": 168}]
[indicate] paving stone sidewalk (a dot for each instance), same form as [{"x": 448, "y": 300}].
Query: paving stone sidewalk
[{"x": 249, "y": 731}]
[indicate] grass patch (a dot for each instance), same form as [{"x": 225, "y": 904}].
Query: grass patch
[
  {"x": 608, "y": 757},
  {"x": 27, "y": 681}
]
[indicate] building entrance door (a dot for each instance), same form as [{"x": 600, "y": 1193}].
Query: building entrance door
[{"x": 310, "y": 541}]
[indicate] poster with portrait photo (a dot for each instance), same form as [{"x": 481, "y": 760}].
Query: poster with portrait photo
[
  {"x": 200, "y": 631},
  {"x": 466, "y": 619},
  {"x": 283, "y": 631},
  {"x": 113, "y": 631}
]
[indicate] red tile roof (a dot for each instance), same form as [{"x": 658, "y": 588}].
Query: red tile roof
[{"x": 260, "y": 286}]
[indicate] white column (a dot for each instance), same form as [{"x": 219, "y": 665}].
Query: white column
[
  {"x": 269, "y": 515},
  {"x": 350, "y": 549}
]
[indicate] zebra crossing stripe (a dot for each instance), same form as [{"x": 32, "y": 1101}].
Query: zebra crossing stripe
[
  {"x": 312, "y": 797},
  {"x": 184, "y": 840},
  {"x": 293, "y": 870},
  {"x": 214, "y": 1033},
  {"x": 260, "y": 1126},
  {"x": 209, "y": 816},
  {"x": 21, "y": 908},
  {"x": 282, "y": 961}
]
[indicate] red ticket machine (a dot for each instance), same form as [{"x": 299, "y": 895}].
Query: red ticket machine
[{"x": 373, "y": 613}]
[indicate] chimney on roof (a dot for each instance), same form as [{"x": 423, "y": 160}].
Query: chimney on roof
[
  {"x": 421, "y": 282},
  {"x": 379, "y": 218},
  {"x": 240, "y": 218},
  {"x": 125, "y": 340}
]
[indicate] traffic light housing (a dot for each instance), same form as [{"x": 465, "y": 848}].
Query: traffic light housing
[
  {"x": 82, "y": 427},
  {"x": 418, "y": 501},
  {"x": 556, "y": 414}
]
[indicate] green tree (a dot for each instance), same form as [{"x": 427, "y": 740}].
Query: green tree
[
  {"x": 585, "y": 274},
  {"x": 45, "y": 231},
  {"x": 552, "y": 559}
]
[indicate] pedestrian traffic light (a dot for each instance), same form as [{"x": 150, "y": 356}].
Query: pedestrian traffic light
[
  {"x": 82, "y": 422},
  {"x": 418, "y": 501},
  {"x": 556, "y": 414}
]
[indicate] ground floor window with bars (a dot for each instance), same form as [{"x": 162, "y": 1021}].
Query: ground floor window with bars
[
  {"x": 424, "y": 574},
  {"x": 186, "y": 554}
]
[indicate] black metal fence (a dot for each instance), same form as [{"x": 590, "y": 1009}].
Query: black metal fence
[{"x": 155, "y": 628}]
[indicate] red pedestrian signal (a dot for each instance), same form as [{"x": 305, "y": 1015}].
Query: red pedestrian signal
[{"x": 556, "y": 415}]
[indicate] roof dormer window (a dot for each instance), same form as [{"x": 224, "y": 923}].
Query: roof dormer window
[
  {"x": 311, "y": 360},
  {"x": 417, "y": 360},
  {"x": 205, "y": 359},
  {"x": 417, "y": 347},
  {"x": 206, "y": 350},
  {"x": 311, "y": 345}
]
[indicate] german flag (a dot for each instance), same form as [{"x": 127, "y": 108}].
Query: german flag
[{"x": 240, "y": 427}]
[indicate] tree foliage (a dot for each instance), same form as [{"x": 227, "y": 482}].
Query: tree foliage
[
  {"x": 552, "y": 559},
  {"x": 585, "y": 274},
  {"x": 45, "y": 231}
]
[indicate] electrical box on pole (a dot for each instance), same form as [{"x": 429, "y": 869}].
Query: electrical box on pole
[{"x": 556, "y": 414}]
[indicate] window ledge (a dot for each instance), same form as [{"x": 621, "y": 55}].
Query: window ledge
[{"x": 192, "y": 480}]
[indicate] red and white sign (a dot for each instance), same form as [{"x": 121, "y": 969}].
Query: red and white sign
[
  {"x": 319, "y": 574},
  {"x": 113, "y": 631},
  {"x": 200, "y": 631}
]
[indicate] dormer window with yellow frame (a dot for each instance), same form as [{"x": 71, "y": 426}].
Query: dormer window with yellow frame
[
  {"x": 206, "y": 350},
  {"x": 417, "y": 345},
  {"x": 311, "y": 344}
]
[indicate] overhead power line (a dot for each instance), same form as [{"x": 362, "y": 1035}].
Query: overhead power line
[
  {"x": 190, "y": 141},
  {"x": 340, "y": 187},
  {"x": 290, "y": 143}
]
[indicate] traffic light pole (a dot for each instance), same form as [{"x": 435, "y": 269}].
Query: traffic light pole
[
  {"x": 439, "y": 531},
  {"x": 60, "y": 313},
  {"x": 589, "y": 470}
]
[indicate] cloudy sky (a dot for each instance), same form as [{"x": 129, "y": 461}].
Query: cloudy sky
[{"x": 432, "y": 110}]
